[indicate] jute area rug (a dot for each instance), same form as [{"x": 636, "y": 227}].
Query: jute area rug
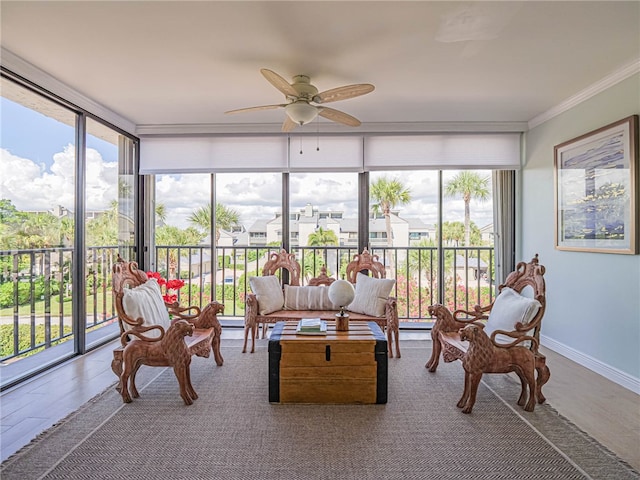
[{"x": 233, "y": 432}]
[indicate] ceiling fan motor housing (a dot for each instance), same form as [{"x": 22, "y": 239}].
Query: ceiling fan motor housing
[{"x": 302, "y": 85}]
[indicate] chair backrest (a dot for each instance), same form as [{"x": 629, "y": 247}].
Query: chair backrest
[
  {"x": 365, "y": 262},
  {"x": 125, "y": 275},
  {"x": 283, "y": 260},
  {"x": 529, "y": 275}
]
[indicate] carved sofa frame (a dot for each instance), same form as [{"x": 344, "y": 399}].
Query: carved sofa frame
[
  {"x": 202, "y": 337},
  {"x": 364, "y": 262}
]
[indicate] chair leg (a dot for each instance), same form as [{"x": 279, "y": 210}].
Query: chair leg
[{"x": 543, "y": 376}]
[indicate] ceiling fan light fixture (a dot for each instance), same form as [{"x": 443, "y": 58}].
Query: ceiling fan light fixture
[{"x": 301, "y": 112}]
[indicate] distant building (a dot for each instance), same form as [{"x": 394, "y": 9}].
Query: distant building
[{"x": 309, "y": 219}]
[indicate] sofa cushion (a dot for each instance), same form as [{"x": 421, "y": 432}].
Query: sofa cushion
[
  {"x": 146, "y": 301},
  {"x": 371, "y": 295},
  {"x": 268, "y": 293},
  {"x": 508, "y": 309},
  {"x": 307, "y": 298}
]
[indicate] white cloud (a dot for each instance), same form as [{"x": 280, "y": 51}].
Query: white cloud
[{"x": 32, "y": 187}]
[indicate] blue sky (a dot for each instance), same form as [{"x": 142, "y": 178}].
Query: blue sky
[{"x": 52, "y": 136}]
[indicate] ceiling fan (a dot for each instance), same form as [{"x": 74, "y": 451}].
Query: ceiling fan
[{"x": 305, "y": 102}]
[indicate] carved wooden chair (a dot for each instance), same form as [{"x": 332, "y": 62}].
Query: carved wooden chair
[
  {"x": 149, "y": 336},
  {"x": 366, "y": 262},
  {"x": 498, "y": 338}
]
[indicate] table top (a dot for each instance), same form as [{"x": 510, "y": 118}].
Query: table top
[{"x": 358, "y": 331}]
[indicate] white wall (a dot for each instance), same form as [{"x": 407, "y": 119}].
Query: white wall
[{"x": 593, "y": 299}]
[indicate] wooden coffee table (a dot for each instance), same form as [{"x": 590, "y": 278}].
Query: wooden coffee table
[{"x": 339, "y": 367}]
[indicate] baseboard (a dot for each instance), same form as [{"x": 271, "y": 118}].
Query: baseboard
[{"x": 621, "y": 378}]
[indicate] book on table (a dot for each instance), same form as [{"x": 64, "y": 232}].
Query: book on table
[{"x": 311, "y": 326}]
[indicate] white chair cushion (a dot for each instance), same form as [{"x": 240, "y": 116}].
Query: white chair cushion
[
  {"x": 268, "y": 293},
  {"x": 371, "y": 295},
  {"x": 307, "y": 298},
  {"x": 508, "y": 309},
  {"x": 146, "y": 301}
]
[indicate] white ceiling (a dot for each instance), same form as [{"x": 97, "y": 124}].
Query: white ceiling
[{"x": 174, "y": 63}]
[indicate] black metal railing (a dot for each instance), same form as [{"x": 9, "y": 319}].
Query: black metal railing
[
  {"x": 467, "y": 277},
  {"x": 36, "y": 285}
]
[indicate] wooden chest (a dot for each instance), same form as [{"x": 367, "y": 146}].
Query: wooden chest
[{"x": 341, "y": 367}]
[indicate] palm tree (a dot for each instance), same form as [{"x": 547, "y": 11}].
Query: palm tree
[
  {"x": 161, "y": 213},
  {"x": 469, "y": 185},
  {"x": 319, "y": 238},
  {"x": 388, "y": 194},
  {"x": 174, "y": 236},
  {"x": 225, "y": 218},
  {"x": 322, "y": 237},
  {"x": 452, "y": 233}
]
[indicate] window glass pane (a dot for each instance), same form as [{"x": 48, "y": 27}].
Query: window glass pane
[
  {"x": 37, "y": 203},
  {"x": 402, "y": 228},
  {"x": 110, "y": 217},
  {"x": 324, "y": 215},
  {"x": 250, "y": 220},
  {"x": 182, "y": 225},
  {"x": 467, "y": 237}
]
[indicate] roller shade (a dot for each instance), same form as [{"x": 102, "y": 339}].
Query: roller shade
[
  {"x": 212, "y": 154},
  {"x": 311, "y": 153},
  {"x": 202, "y": 154},
  {"x": 443, "y": 151}
]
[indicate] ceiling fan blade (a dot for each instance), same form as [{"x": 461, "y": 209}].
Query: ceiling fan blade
[
  {"x": 288, "y": 124},
  {"x": 254, "y": 109},
  {"x": 343, "y": 93},
  {"x": 338, "y": 116},
  {"x": 279, "y": 82}
]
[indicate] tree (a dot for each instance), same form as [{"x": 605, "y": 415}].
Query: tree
[
  {"x": 38, "y": 230},
  {"x": 387, "y": 194},
  {"x": 161, "y": 213},
  {"x": 226, "y": 218},
  {"x": 452, "y": 233},
  {"x": 470, "y": 185},
  {"x": 322, "y": 237},
  {"x": 103, "y": 230},
  {"x": 168, "y": 235}
]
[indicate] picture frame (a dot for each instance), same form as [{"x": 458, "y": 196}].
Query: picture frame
[{"x": 596, "y": 190}]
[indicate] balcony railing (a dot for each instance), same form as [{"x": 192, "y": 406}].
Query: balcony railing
[{"x": 36, "y": 285}]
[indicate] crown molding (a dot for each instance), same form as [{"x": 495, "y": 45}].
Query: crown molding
[
  {"x": 331, "y": 128},
  {"x": 39, "y": 77},
  {"x": 589, "y": 92}
]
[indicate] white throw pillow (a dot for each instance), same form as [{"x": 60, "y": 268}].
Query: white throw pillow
[
  {"x": 146, "y": 301},
  {"x": 371, "y": 295},
  {"x": 307, "y": 298},
  {"x": 508, "y": 309},
  {"x": 268, "y": 292}
]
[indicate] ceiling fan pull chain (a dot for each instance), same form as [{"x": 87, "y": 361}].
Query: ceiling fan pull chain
[
  {"x": 300, "y": 145},
  {"x": 317, "y": 134}
]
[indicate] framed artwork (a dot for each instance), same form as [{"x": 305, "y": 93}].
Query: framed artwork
[{"x": 596, "y": 190}]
